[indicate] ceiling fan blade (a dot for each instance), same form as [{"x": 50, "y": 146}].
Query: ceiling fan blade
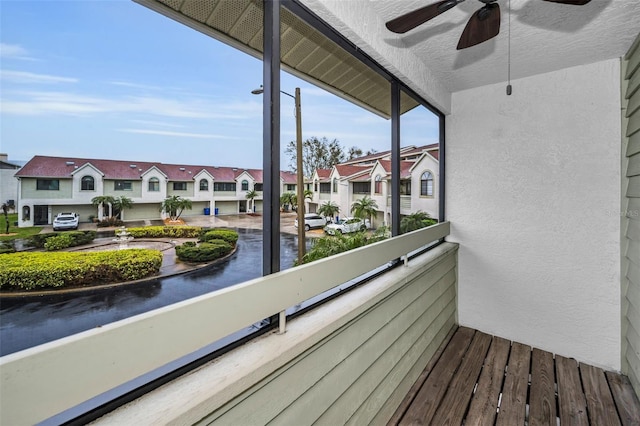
[
  {"x": 575, "y": 2},
  {"x": 410, "y": 20},
  {"x": 482, "y": 26}
]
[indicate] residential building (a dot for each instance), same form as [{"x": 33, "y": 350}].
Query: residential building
[
  {"x": 8, "y": 184},
  {"x": 50, "y": 185}
]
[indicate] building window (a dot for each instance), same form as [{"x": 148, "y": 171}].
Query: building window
[
  {"x": 405, "y": 187},
  {"x": 325, "y": 188},
  {"x": 245, "y": 185},
  {"x": 87, "y": 183},
  {"x": 154, "y": 184},
  {"x": 224, "y": 186},
  {"x": 378, "y": 185},
  {"x": 257, "y": 187},
  {"x": 204, "y": 185},
  {"x": 335, "y": 185},
  {"x": 123, "y": 185},
  {"x": 179, "y": 186},
  {"x": 426, "y": 184},
  {"x": 362, "y": 187},
  {"x": 48, "y": 184},
  {"x": 315, "y": 186},
  {"x": 291, "y": 187}
]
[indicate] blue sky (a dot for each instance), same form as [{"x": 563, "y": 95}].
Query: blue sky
[{"x": 113, "y": 79}]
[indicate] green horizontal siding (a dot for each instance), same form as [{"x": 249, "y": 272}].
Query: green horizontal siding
[
  {"x": 631, "y": 218},
  {"x": 360, "y": 373}
]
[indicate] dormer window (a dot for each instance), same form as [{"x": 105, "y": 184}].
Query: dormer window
[
  {"x": 204, "y": 185},
  {"x": 245, "y": 185},
  {"x": 154, "y": 184}
]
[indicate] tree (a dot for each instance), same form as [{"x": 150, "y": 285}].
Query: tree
[
  {"x": 121, "y": 203},
  {"x": 415, "y": 221},
  {"x": 287, "y": 199},
  {"x": 329, "y": 209},
  {"x": 175, "y": 205},
  {"x": 251, "y": 195},
  {"x": 101, "y": 200},
  {"x": 364, "y": 208},
  {"x": 319, "y": 154}
]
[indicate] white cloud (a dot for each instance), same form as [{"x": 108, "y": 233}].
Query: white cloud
[
  {"x": 169, "y": 133},
  {"x": 135, "y": 85},
  {"x": 157, "y": 123},
  {"x": 14, "y": 51},
  {"x": 29, "y": 77}
]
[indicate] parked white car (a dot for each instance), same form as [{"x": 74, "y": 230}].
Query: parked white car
[
  {"x": 347, "y": 225},
  {"x": 312, "y": 220},
  {"x": 65, "y": 221}
]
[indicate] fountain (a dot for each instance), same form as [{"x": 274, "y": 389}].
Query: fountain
[{"x": 122, "y": 238}]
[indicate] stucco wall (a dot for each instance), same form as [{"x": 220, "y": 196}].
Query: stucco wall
[{"x": 533, "y": 193}]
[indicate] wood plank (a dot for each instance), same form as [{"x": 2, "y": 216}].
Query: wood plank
[
  {"x": 431, "y": 393},
  {"x": 600, "y": 405},
  {"x": 625, "y": 398},
  {"x": 455, "y": 402},
  {"x": 516, "y": 383},
  {"x": 542, "y": 401},
  {"x": 484, "y": 403},
  {"x": 413, "y": 391},
  {"x": 571, "y": 400}
]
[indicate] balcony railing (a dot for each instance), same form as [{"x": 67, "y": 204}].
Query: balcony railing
[{"x": 62, "y": 374}]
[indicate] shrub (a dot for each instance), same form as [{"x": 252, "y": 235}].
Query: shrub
[
  {"x": 220, "y": 234},
  {"x": 203, "y": 252},
  {"x": 110, "y": 221},
  {"x": 165, "y": 232},
  {"x": 58, "y": 242},
  {"x": 7, "y": 247},
  {"x": 77, "y": 238},
  {"x": 328, "y": 246},
  {"x": 33, "y": 270}
]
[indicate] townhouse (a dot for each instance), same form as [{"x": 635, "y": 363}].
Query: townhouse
[
  {"x": 370, "y": 176},
  {"x": 51, "y": 185}
]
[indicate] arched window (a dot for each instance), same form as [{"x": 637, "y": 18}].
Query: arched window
[
  {"x": 154, "y": 184},
  {"x": 377, "y": 188},
  {"x": 87, "y": 183},
  {"x": 335, "y": 185},
  {"x": 426, "y": 184},
  {"x": 204, "y": 185},
  {"x": 245, "y": 185}
]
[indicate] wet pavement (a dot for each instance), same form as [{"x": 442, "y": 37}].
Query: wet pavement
[{"x": 26, "y": 322}]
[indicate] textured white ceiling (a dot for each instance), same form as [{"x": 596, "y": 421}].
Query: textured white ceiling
[{"x": 544, "y": 37}]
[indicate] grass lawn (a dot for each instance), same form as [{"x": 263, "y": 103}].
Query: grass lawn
[{"x": 14, "y": 231}]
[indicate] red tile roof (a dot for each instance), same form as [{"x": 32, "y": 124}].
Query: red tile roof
[
  {"x": 346, "y": 170},
  {"x": 405, "y": 166},
  {"x": 63, "y": 167},
  {"x": 323, "y": 174}
]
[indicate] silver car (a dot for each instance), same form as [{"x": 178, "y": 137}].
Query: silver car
[
  {"x": 312, "y": 220},
  {"x": 65, "y": 221},
  {"x": 347, "y": 225}
]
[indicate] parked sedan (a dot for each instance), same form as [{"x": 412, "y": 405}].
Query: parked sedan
[
  {"x": 347, "y": 225},
  {"x": 65, "y": 221},
  {"x": 312, "y": 220}
]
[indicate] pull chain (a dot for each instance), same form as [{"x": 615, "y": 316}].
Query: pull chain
[{"x": 509, "y": 89}]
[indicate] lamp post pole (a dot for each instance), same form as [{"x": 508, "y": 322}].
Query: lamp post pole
[
  {"x": 300, "y": 171},
  {"x": 300, "y": 176}
]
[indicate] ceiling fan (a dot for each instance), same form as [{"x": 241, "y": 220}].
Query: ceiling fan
[{"x": 482, "y": 26}]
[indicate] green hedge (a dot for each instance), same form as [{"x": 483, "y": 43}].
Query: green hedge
[
  {"x": 58, "y": 242},
  {"x": 220, "y": 234},
  {"x": 203, "y": 252},
  {"x": 78, "y": 238},
  {"x": 33, "y": 270},
  {"x": 166, "y": 232}
]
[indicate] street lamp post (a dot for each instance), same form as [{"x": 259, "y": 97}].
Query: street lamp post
[{"x": 300, "y": 171}]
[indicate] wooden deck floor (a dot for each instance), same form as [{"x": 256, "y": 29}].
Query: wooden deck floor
[{"x": 477, "y": 379}]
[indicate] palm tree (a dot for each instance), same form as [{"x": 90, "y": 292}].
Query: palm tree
[
  {"x": 175, "y": 205},
  {"x": 364, "y": 208},
  {"x": 287, "y": 199},
  {"x": 329, "y": 209},
  {"x": 251, "y": 195},
  {"x": 101, "y": 200},
  {"x": 415, "y": 221},
  {"x": 121, "y": 203}
]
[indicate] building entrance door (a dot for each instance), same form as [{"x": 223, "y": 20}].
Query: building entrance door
[{"x": 40, "y": 215}]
